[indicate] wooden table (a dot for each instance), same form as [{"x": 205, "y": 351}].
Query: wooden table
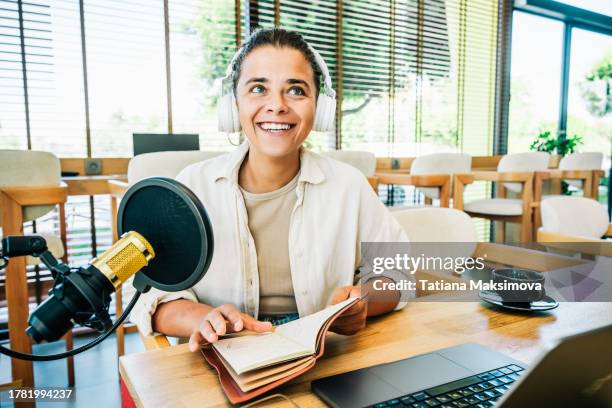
[
  {"x": 176, "y": 377},
  {"x": 91, "y": 185}
]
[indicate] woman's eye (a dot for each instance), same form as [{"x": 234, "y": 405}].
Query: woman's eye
[
  {"x": 296, "y": 90},
  {"x": 257, "y": 89}
]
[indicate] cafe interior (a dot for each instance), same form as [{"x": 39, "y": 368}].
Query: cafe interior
[{"x": 481, "y": 121}]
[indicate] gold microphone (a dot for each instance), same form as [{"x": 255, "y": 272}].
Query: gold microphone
[
  {"x": 85, "y": 293},
  {"x": 124, "y": 258}
]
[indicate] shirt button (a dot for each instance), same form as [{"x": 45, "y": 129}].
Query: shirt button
[
  {"x": 304, "y": 292},
  {"x": 250, "y": 282}
]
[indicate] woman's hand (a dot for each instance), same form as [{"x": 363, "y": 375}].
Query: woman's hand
[
  {"x": 354, "y": 318},
  {"x": 221, "y": 320}
]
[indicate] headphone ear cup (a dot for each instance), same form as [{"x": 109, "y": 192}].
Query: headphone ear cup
[
  {"x": 228, "y": 120},
  {"x": 325, "y": 114}
]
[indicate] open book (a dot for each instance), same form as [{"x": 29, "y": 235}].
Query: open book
[{"x": 249, "y": 365}]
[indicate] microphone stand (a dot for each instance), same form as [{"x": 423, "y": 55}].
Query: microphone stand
[{"x": 59, "y": 272}]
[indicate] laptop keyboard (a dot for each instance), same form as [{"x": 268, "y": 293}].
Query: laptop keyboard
[{"x": 481, "y": 390}]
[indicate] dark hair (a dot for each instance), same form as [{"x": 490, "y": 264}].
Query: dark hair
[{"x": 277, "y": 37}]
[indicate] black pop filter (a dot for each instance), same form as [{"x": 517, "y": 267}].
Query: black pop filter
[{"x": 175, "y": 223}]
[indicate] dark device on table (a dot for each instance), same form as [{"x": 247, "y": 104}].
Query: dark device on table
[
  {"x": 163, "y": 142},
  {"x": 577, "y": 372}
]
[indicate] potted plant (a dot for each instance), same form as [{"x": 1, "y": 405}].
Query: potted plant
[{"x": 546, "y": 142}]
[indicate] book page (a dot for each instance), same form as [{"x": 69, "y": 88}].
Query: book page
[
  {"x": 263, "y": 376},
  {"x": 289, "y": 341},
  {"x": 305, "y": 331},
  {"x": 247, "y": 353}
]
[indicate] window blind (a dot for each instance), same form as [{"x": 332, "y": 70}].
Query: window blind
[
  {"x": 413, "y": 76},
  {"x": 202, "y": 42},
  {"x": 126, "y": 72},
  {"x": 317, "y": 22},
  {"x": 24, "y": 47}
]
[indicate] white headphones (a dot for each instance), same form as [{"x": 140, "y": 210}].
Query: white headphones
[{"x": 227, "y": 109}]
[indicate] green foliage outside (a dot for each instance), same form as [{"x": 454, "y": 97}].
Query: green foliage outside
[
  {"x": 546, "y": 142},
  {"x": 597, "y": 87}
]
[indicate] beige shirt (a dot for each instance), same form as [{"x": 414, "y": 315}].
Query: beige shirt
[
  {"x": 269, "y": 215},
  {"x": 335, "y": 211}
]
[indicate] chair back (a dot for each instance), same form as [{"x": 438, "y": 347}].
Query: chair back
[
  {"x": 29, "y": 168},
  {"x": 439, "y": 225},
  {"x": 164, "y": 164},
  {"x": 440, "y": 163},
  {"x": 520, "y": 162},
  {"x": 365, "y": 162},
  {"x": 581, "y": 161},
  {"x": 578, "y": 216}
]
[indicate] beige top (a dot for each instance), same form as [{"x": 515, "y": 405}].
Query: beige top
[{"x": 268, "y": 217}]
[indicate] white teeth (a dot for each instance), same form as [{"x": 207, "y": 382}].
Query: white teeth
[{"x": 275, "y": 126}]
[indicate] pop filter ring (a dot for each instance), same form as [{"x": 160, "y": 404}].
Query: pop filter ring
[{"x": 199, "y": 217}]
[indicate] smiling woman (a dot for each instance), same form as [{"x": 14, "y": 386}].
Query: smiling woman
[
  {"x": 289, "y": 223},
  {"x": 277, "y": 110}
]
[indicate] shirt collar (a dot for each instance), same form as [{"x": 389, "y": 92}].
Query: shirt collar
[{"x": 310, "y": 171}]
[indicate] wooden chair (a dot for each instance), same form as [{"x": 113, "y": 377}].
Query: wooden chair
[
  {"x": 437, "y": 224},
  {"x": 155, "y": 341},
  {"x": 361, "y": 160},
  {"x": 590, "y": 161},
  {"x": 576, "y": 224},
  {"x": 515, "y": 173},
  {"x": 439, "y": 182},
  {"x": 30, "y": 187},
  {"x": 579, "y": 170},
  {"x": 164, "y": 164},
  {"x": 439, "y": 163}
]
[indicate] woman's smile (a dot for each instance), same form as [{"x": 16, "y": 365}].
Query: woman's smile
[{"x": 276, "y": 128}]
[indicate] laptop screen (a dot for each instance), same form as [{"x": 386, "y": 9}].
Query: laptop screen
[{"x": 161, "y": 142}]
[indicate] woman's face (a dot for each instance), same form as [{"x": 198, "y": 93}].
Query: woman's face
[{"x": 276, "y": 99}]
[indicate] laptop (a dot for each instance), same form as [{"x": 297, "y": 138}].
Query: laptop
[
  {"x": 162, "y": 142},
  {"x": 577, "y": 372}
]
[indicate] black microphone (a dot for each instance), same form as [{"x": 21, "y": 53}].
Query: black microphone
[
  {"x": 168, "y": 244},
  {"x": 83, "y": 295}
]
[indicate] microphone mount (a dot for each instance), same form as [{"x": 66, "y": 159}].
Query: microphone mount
[{"x": 96, "y": 317}]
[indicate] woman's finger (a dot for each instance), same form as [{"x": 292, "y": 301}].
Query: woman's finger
[
  {"x": 250, "y": 323},
  {"x": 217, "y": 321},
  {"x": 208, "y": 332},
  {"x": 347, "y": 320},
  {"x": 233, "y": 316},
  {"x": 349, "y": 327},
  {"x": 357, "y": 308},
  {"x": 195, "y": 340},
  {"x": 341, "y": 294}
]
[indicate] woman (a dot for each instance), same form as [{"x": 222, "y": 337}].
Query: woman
[{"x": 288, "y": 223}]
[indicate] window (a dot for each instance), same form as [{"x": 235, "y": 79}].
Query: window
[
  {"x": 47, "y": 72},
  {"x": 126, "y": 72},
  {"x": 13, "y": 128},
  {"x": 202, "y": 42},
  {"x": 535, "y": 79},
  {"x": 589, "y": 110},
  {"x": 424, "y": 70}
]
